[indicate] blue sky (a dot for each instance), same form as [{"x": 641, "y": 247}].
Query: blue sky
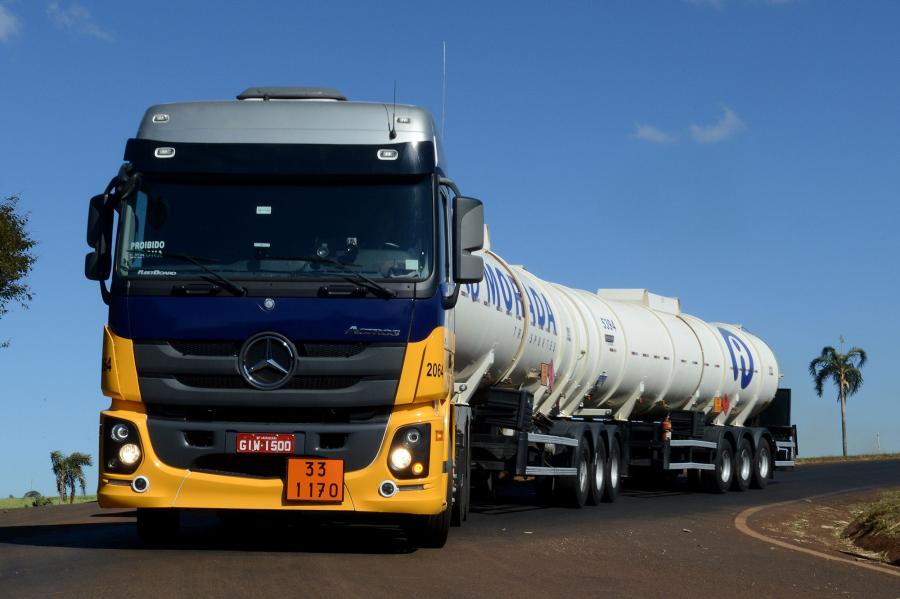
[{"x": 741, "y": 155}]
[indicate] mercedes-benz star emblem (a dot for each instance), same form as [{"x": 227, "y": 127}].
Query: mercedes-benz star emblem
[{"x": 267, "y": 360}]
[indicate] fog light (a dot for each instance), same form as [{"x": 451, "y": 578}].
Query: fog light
[
  {"x": 418, "y": 468},
  {"x": 119, "y": 432},
  {"x": 400, "y": 458},
  {"x": 129, "y": 454},
  {"x": 413, "y": 436}
]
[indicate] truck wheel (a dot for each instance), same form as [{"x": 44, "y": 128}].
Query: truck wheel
[
  {"x": 598, "y": 474},
  {"x": 431, "y": 531},
  {"x": 574, "y": 490},
  {"x": 719, "y": 479},
  {"x": 157, "y": 527},
  {"x": 762, "y": 465},
  {"x": 613, "y": 472},
  {"x": 463, "y": 472},
  {"x": 743, "y": 467}
]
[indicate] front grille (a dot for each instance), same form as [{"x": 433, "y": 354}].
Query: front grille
[
  {"x": 232, "y": 348},
  {"x": 268, "y": 415},
  {"x": 206, "y": 348},
  {"x": 223, "y": 381}
]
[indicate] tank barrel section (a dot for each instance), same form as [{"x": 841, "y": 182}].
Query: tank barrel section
[{"x": 624, "y": 353}]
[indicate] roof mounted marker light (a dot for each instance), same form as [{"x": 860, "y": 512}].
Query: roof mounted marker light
[
  {"x": 164, "y": 152},
  {"x": 388, "y": 154},
  {"x": 160, "y": 118}
]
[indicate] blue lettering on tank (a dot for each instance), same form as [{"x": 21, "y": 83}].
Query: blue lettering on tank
[
  {"x": 539, "y": 307},
  {"x": 551, "y": 320},
  {"x": 492, "y": 295},
  {"x": 517, "y": 297},
  {"x": 473, "y": 289},
  {"x": 505, "y": 289},
  {"x": 741, "y": 358}
]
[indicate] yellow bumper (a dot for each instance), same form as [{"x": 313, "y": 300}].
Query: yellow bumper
[{"x": 179, "y": 488}]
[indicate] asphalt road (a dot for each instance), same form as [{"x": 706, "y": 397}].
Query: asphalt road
[{"x": 651, "y": 543}]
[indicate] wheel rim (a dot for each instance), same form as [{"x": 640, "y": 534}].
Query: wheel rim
[
  {"x": 598, "y": 474},
  {"x": 614, "y": 470},
  {"x": 582, "y": 473},
  {"x": 746, "y": 461},
  {"x": 726, "y": 467},
  {"x": 764, "y": 463}
]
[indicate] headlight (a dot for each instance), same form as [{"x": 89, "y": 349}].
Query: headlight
[
  {"x": 401, "y": 458},
  {"x": 410, "y": 451},
  {"x": 129, "y": 454},
  {"x": 119, "y": 432},
  {"x": 121, "y": 446}
]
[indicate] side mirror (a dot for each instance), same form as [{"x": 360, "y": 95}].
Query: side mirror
[
  {"x": 98, "y": 264},
  {"x": 95, "y": 219},
  {"x": 468, "y": 237}
]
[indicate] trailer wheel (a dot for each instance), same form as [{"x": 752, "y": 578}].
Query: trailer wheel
[
  {"x": 743, "y": 467},
  {"x": 157, "y": 528},
  {"x": 613, "y": 472},
  {"x": 574, "y": 490},
  {"x": 719, "y": 479},
  {"x": 598, "y": 474},
  {"x": 762, "y": 465}
]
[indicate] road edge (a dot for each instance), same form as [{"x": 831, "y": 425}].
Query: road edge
[{"x": 740, "y": 522}]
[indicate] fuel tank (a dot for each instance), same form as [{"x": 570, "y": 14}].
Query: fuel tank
[{"x": 627, "y": 353}]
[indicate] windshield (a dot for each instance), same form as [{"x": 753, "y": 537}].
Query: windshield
[{"x": 278, "y": 231}]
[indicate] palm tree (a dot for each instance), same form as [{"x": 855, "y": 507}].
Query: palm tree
[
  {"x": 58, "y": 465},
  {"x": 68, "y": 470},
  {"x": 75, "y": 473},
  {"x": 844, "y": 371}
]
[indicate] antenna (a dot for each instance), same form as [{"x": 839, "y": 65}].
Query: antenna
[
  {"x": 444, "y": 89},
  {"x": 392, "y": 118}
]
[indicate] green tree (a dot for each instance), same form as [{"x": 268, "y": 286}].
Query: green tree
[
  {"x": 844, "y": 371},
  {"x": 69, "y": 472},
  {"x": 16, "y": 257}
]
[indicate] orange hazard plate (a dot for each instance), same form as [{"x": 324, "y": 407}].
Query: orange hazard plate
[{"x": 312, "y": 479}]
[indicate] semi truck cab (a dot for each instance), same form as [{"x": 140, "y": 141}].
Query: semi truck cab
[{"x": 281, "y": 272}]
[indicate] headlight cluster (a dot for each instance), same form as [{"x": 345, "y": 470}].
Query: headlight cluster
[
  {"x": 121, "y": 446},
  {"x": 409, "y": 453}
]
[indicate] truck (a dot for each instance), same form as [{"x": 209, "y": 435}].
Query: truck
[{"x": 305, "y": 314}]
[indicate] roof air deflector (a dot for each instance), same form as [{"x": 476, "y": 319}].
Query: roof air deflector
[{"x": 291, "y": 93}]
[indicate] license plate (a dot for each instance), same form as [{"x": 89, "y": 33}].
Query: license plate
[
  {"x": 319, "y": 480},
  {"x": 264, "y": 443}
]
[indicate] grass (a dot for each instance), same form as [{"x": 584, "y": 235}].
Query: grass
[
  {"x": 882, "y": 516},
  {"x": 850, "y": 458},
  {"x": 877, "y": 527},
  {"x": 19, "y": 502}
]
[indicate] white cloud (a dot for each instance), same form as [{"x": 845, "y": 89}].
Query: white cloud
[
  {"x": 728, "y": 126},
  {"x": 77, "y": 18},
  {"x": 653, "y": 134},
  {"x": 10, "y": 24}
]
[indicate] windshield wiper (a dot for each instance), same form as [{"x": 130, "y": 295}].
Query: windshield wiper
[
  {"x": 347, "y": 273},
  {"x": 196, "y": 261}
]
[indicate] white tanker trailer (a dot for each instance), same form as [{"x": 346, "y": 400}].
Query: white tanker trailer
[{"x": 584, "y": 387}]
